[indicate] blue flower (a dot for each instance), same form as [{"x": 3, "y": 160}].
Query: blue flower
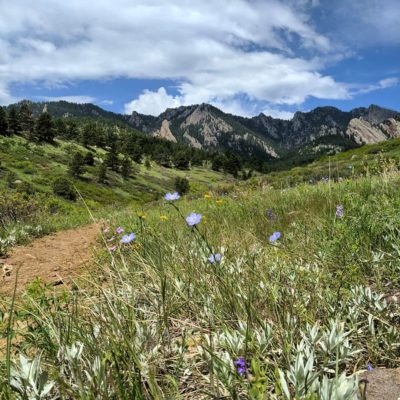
[
  {"x": 274, "y": 237},
  {"x": 172, "y": 196},
  {"x": 128, "y": 238},
  {"x": 214, "y": 258},
  {"x": 339, "y": 211},
  {"x": 119, "y": 230},
  {"x": 193, "y": 219},
  {"x": 240, "y": 364},
  {"x": 370, "y": 367}
]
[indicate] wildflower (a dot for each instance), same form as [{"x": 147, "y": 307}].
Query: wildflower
[
  {"x": 163, "y": 218},
  {"x": 141, "y": 215},
  {"x": 274, "y": 237},
  {"x": 172, "y": 196},
  {"x": 270, "y": 213},
  {"x": 240, "y": 364},
  {"x": 112, "y": 248},
  {"x": 214, "y": 258},
  {"x": 193, "y": 219},
  {"x": 219, "y": 201},
  {"x": 370, "y": 367},
  {"x": 207, "y": 196},
  {"x": 128, "y": 238},
  {"x": 339, "y": 211},
  {"x": 119, "y": 230}
]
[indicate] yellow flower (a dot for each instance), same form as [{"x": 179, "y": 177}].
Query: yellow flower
[
  {"x": 163, "y": 218},
  {"x": 207, "y": 196},
  {"x": 219, "y": 201},
  {"x": 141, "y": 215}
]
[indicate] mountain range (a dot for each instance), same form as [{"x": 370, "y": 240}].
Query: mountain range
[{"x": 322, "y": 130}]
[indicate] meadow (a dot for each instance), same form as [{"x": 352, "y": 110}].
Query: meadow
[{"x": 264, "y": 293}]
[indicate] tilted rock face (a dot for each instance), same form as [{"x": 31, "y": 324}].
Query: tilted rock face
[
  {"x": 363, "y": 132},
  {"x": 165, "y": 132}
]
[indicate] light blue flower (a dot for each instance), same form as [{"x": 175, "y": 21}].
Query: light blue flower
[
  {"x": 193, "y": 219},
  {"x": 339, "y": 211},
  {"x": 128, "y": 238},
  {"x": 119, "y": 230},
  {"x": 172, "y": 196},
  {"x": 214, "y": 258},
  {"x": 274, "y": 237}
]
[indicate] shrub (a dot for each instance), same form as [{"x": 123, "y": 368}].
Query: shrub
[
  {"x": 182, "y": 185},
  {"x": 63, "y": 187},
  {"x": 16, "y": 207}
]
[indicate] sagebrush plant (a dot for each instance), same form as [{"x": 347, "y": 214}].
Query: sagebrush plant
[{"x": 206, "y": 300}]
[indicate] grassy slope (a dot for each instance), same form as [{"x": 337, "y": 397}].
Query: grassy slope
[
  {"x": 170, "y": 325},
  {"x": 369, "y": 159},
  {"x": 38, "y": 165}
]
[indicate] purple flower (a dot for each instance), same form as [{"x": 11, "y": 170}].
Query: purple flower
[
  {"x": 274, "y": 237},
  {"x": 119, "y": 230},
  {"x": 339, "y": 211},
  {"x": 128, "y": 238},
  {"x": 240, "y": 364},
  {"x": 270, "y": 213},
  {"x": 112, "y": 248},
  {"x": 193, "y": 219},
  {"x": 172, "y": 196},
  {"x": 214, "y": 258},
  {"x": 370, "y": 367}
]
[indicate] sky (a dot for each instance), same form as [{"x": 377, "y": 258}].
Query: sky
[{"x": 243, "y": 56}]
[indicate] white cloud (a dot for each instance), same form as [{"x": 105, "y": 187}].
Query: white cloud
[
  {"x": 215, "y": 51},
  {"x": 382, "y": 84},
  {"x": 153, "y": 103},
  {"x": 276, "y": 113},
  {"x": 72, "y": 99},
  {"x": 266, "y": 51}
]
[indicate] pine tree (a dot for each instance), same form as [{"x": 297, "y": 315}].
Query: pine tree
[
  {"x": 26, "y": 119},
  {"x": 44, "y": 129},
  {"x": 126, "y": 167},
  {"x": 112, "y": 157},
  {"x": 88, "y": 134},
  {"x": 76, "y": 166},
  {"x": 182, "y": 160},
  {"x": 3, "y": 122},
  {"x": 61, "y": 128},
  {"x": 14, "y": 126},
  {"x": 102, "y": 173}
]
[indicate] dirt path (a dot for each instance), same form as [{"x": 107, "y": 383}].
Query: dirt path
[
  {"x": 383, "y": 384},
  {"x": 55, "y": 258}
]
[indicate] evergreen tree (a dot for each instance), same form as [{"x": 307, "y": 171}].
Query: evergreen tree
[
  {"x": 217, "y": 163},
  {"x": 112, "y": 156},
  {"x": 88, "y": 135},
  {"x": 61, "y": 128},
  {"x": 44, "y": 129},
  {"x": 182, "y": 185},
  {"x": 126, "y": 167},
  {"x": 3, "y": 122},
  {"x": 76, "y": 166},
  {"x": 89, "y": 159},
  {"x": 72, "y": 130},
  {"x": 26, "y": 119},
  {"x": 181, "y": 160},
  {"x": 102, "y": 173},
  {"x": 14, "y": 126},
  {"x": 232, "y": 164}
]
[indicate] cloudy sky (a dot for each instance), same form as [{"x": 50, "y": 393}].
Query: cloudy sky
[{"x": 244, "y": 56}]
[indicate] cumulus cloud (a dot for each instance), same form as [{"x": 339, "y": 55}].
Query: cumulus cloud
[
  {"x": 153, "y": 103},
  {"x": 215, "y": 51}
]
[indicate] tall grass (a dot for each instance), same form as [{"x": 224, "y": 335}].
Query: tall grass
[{"x": 156, "y": 320}]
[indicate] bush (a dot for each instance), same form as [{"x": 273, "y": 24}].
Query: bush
[
  {"x": 63, "y": 187},
  {"x": 16, "y": 207},
  {"x": 182, "y": 185}
]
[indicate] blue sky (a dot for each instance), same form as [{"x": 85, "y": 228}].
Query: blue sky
[{"x": 244, "y": 56}]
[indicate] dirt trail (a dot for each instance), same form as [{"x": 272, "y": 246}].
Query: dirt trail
[{"x": 55, "y": 258}]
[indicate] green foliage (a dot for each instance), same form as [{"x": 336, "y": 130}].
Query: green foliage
[
  {"x": 181, "y": 185},
  {"x": 3, "y": 122},
  {"x": 77, "y": 165},
  {"x": 102, "y": 173},
  {"x": 14, "y": 125},
  {"x": 44, "y": 128},
  {"x": 26, "y": 119},
  {"x": 63, "y": 187},
  {"x": 126, "y": 167},
  {"x": 16, "y": 207},
  {"x": 89, "y": 159}
]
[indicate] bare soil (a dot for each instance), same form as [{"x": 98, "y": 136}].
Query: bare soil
[
  {"x": 56, "y": 258},
  {"x": 382, "y": 384}
]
